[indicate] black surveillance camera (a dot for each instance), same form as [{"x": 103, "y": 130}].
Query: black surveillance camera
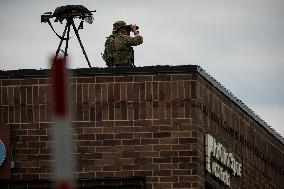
[{"x": 69, "y": 12}]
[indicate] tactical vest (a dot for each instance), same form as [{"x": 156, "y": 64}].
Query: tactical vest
[{"x": 111, "y": 54}]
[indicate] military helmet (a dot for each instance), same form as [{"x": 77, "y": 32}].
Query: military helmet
[{"x": 117, "y": 25}]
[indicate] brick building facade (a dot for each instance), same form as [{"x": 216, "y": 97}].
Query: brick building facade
[{"x": 142, "y": 127}]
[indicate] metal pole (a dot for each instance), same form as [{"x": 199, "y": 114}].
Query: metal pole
[
  {"x": 64, "y": 162},
  {"x": 82, "y": 47},
  {"x": 60, "y": 43},
  {"x": 66, "y": 45}
]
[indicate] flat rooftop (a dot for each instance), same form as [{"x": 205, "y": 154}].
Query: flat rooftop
[{"x": 148, "y": 70}]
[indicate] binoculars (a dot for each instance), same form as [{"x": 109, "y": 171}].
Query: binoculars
[{"x": 129, "y": 28}]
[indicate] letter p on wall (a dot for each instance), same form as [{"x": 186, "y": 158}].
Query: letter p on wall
[{"x": 209, "y": 141}]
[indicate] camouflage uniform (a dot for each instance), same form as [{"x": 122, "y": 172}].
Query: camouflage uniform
[{"x": 122, "y": 43}]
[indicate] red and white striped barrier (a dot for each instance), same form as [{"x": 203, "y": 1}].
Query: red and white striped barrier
[{"x": 63, "y": 163}]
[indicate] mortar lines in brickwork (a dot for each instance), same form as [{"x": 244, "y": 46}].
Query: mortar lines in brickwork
[
  {"x": 242, "y": 119},
  {"x": 89, "y": 111}
]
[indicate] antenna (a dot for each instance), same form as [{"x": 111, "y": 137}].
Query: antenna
[{"x": 69, "y": 13}]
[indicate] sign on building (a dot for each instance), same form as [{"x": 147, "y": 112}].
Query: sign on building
[
  {"x": 5, "y": 156},
  {"x": 219, "y": 162}
]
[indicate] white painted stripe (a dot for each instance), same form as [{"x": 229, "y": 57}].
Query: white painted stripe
[{"x": 64, "y": 162}]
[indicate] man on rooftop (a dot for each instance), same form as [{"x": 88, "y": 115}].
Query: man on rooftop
[{"x": 119, "y": 45}]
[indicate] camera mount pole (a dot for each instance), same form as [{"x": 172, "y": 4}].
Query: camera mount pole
[
  {"x": 60, "y": 43},
  {"x": 67, "y": 39},
  {"x": 81, "y": 44},
  {"x": 67, "y": 27}
]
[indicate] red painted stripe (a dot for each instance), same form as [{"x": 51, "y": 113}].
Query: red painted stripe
[
  {"x": 59, "y": 88},
  {"x": 63, "y": 185}
]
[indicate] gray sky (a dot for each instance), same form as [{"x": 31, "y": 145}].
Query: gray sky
[{"x": 240, "y": 43}]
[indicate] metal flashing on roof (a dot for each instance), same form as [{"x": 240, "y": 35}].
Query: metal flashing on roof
[
  {"x": 149, "y": 70},
  {"x": 237, "y": 101}
]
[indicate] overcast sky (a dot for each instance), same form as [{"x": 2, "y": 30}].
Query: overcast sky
[{"x": 240, "y": 43}]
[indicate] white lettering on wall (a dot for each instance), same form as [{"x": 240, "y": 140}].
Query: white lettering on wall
[{"x": 219, "y": 162}]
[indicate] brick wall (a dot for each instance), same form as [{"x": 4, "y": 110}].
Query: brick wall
[
  {"x": 128, "y": 125},
  {"x": 261, "y": 154},
  {"x": 124, "y": 126}
]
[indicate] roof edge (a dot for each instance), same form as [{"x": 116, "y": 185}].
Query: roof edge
[
  {"x": 147, "y": 70},
  {"x": 242, "y": 105}
]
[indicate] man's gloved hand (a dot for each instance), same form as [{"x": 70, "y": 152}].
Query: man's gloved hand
[{"x": 133, "y": 27}]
